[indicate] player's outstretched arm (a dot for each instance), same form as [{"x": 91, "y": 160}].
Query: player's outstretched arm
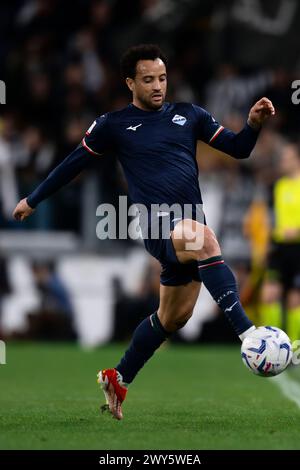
[
  {"x": 67, "y": 170},
  {"x": 240, "y": 145}
]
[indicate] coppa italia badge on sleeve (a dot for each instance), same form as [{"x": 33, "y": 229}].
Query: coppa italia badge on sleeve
[{"x": 2, "y": 92}]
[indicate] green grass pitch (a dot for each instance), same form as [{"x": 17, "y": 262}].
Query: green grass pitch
[{"x": 186, "y": 397}]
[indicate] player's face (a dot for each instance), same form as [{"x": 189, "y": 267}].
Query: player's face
[{"x": 149, "y": 86}]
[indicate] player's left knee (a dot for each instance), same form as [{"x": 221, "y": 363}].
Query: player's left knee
[
  {"x": 206, "y": 245},
  {"x": 194, "y": 241}
]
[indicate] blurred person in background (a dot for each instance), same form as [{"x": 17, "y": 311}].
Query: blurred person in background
[
  {"x": 54, "y": 295},
  {"x": 230, "y": 93},
  {"x": 5, "y": 286},
  {"x": 8, "y": 184},
  {"x": 156, "y": 144},
  {"x": 131, "y": 309},
  {"x": 53, "y": 319},
  {"x": 281, "y": 289},
  {"x": 32, "y": 163}
]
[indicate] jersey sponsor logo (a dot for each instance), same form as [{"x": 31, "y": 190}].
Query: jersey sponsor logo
[
  {"x": 91, "y": 128},
  {"x": 133, "y": 128},
  {"x": 180, "y": 120}
]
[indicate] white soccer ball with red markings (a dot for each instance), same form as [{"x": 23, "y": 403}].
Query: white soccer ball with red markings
[{"x": 267, "y": 351}]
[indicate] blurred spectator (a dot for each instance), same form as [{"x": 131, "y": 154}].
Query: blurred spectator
[
  {"x": 265, "y": 158},
  {"x": 53, "y": 292},
  {"x": 33, "y": 164},
  {"x": 8, "y": 185},
  {"x": 230, "y": 93},
  {"x": 5, "y": 287},
  {"x": 94, "y": 75},
  {"x": 130, "y": 310},
  {"x": 53, "y": 320}
]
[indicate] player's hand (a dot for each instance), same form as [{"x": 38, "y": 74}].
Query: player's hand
[
  {"x": 22, "y": 210},
  {"x": 260, "y": 112}
]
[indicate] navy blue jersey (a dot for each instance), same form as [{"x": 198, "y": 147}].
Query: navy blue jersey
[{"x": 157, "y": 150}]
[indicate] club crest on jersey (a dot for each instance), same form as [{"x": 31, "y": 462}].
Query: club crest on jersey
[{"x": 180, "y": 120}]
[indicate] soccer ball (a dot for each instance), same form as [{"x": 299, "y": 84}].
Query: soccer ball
[{"x": 267, "y": 351}]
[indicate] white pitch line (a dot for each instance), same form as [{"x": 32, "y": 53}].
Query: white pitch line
[{"x": 289, "y": 387}]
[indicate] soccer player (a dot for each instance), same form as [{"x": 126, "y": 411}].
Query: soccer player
[{"x": 156, "y": 144}]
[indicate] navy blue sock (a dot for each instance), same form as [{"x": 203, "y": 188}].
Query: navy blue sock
[
  {"x": 220, "y": 282},
  {"x": 147, "y": 337}
]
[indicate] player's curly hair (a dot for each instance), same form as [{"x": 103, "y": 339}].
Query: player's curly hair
[{"x": 140, "y": 52}]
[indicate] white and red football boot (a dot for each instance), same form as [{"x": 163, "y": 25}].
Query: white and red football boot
[{"x": 111, "y": 382}]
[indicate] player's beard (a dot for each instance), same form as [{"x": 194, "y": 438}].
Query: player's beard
[{"x": 150, "y": 105}]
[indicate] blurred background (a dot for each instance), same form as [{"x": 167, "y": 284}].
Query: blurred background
[{"x": 60, "y": 63}]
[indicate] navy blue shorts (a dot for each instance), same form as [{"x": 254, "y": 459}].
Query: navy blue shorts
[{"x": 173, "y": 272}]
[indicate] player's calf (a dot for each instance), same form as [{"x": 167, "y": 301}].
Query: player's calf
[{"x": 213, "y": 271}]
